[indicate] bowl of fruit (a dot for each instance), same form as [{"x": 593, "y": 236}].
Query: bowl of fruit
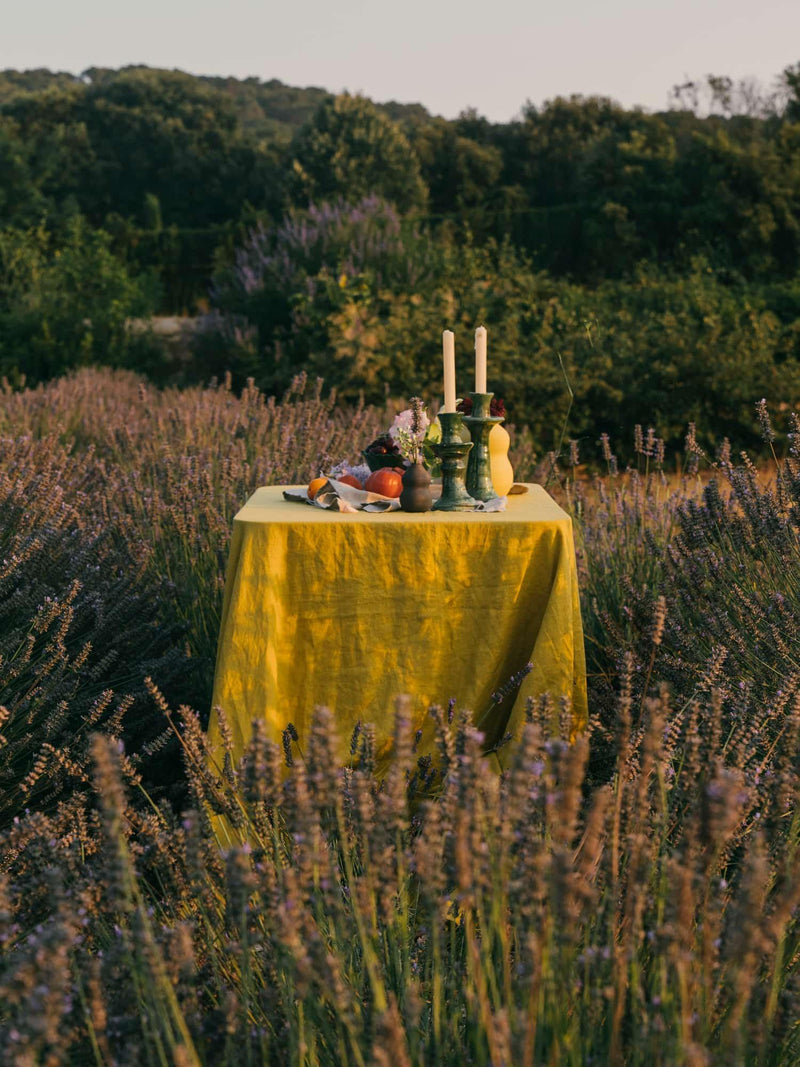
[{"x": 383, "y": 452}]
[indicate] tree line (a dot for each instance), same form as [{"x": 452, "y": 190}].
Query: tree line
[
  {"x": 652, "y": 258},
  {"x": 587, "y": 188}
]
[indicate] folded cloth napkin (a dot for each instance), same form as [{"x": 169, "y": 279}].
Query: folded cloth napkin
[{"x": 339, "y": 496}]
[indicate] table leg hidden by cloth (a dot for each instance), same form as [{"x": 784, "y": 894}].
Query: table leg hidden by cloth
[{"x": 349, "y": 610}]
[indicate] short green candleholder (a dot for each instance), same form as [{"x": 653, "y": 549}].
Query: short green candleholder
[
  {"x": 452, "y": 451},
  {"x": 479, "y": 469}
]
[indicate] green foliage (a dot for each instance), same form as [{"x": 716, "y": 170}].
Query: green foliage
[
  {"x": 61, "y": 157},
  {"x": 167, "y": 135},
  {"x": 19, "y": 82},
  {"x": 67, "y": 305},
  {"x": 288, "y": 301},
  {"x": 460, "y": 173},
  {"x": 742, "y": 200},
  {"x": 655, "y": 255},
  {"x": 791, "y": 84},
  {"x": 112, "y": 143},
  {"x": 661, "y": 350},
  {"x": 349, "y": 150},
  {"x": 587, "y": 189},
  {"x": 582, "y": 184},
  {"x": 337, "y": 292},
  {"x": 21, "y": 199}
]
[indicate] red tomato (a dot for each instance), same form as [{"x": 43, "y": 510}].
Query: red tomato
[{"x": 387, "y": 482}]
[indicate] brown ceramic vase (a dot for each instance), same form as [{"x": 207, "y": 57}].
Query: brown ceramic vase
[{"x": 416, "y": 494}]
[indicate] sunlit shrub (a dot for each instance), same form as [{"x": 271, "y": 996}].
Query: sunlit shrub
[{"x": 359, "y": 297}]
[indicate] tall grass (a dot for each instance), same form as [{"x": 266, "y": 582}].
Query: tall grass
[{"x": 631, "y": 897}]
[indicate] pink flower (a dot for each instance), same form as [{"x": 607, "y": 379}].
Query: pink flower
[{"x": 403, "y": 421}]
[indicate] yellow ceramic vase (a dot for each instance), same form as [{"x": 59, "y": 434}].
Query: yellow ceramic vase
[{"x": 502, "y": 471}]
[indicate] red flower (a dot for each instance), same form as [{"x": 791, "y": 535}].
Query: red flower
[{"x": 496, "y": 408}]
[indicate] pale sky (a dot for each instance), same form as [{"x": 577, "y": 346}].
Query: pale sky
[{"x": 492, "y": 55}]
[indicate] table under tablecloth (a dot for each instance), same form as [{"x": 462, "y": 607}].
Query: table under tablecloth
[{"x": 350, "y": 610}]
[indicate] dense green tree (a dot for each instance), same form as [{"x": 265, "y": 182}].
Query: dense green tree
[
  {"x": 348, "y": 150},
  {"x": 741, "y": 201},
  {"x": 19, "y": 82},
  {"x": 111, "y": 143},
  {"x": 67, "y": 304},
  {"x": 629, "y": 199},
  {"x": 21, "y": 200},
  {"x": 61, "y": 157},
  {"x": 165, "y": 134},
  {"x": 460, "y": 173},
  {"x": 790, "y": 82},
  {"x": 586, "y": 187},
  {"x": 551, "y": 142},
  {"x": 177, "y": 166}
]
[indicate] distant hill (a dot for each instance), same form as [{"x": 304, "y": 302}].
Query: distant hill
[{"x": 269, "y": 110}]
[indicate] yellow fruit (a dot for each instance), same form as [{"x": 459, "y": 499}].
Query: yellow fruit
[{"x": 502, "y": 471}]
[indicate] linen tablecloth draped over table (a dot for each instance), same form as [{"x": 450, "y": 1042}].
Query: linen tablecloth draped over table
[{"x": 349, "y": 610}]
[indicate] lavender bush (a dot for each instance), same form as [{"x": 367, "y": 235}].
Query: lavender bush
[
  {"x": 279, "y": 308},
  {"x": 79, "y": 629},
  {"x": 628, "y": 897},
  {"x": 332, "y": 238},
  {"x": 694, "y": 578},
  {"x": 519, "y": 920},
  {"x": 164, "y": 472}
]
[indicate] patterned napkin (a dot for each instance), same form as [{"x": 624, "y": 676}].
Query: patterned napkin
[{"x": 339, "y": 496}]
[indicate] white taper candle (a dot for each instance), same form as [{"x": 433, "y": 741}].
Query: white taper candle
[
  {"x": 449, "y": 355},
  {"x": 480, "y": 359}
]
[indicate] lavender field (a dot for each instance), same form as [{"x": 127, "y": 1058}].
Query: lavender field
[{"x": 630, "y": 897}]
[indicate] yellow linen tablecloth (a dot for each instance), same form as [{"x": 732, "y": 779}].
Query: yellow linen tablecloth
[{"x": 349, "y": 610}]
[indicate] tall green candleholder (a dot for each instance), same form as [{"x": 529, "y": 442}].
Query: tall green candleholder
[
  {"x": 452, "y": 451},
  {"x": 479, "y": 468}
]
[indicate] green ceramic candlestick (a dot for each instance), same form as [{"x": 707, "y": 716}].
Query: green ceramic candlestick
[
  {"x": 453, "y": 453},
  {"x": 479, "y": 468}
]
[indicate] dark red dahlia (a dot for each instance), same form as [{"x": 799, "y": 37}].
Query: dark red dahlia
[{"x": 496, "y": 408}]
